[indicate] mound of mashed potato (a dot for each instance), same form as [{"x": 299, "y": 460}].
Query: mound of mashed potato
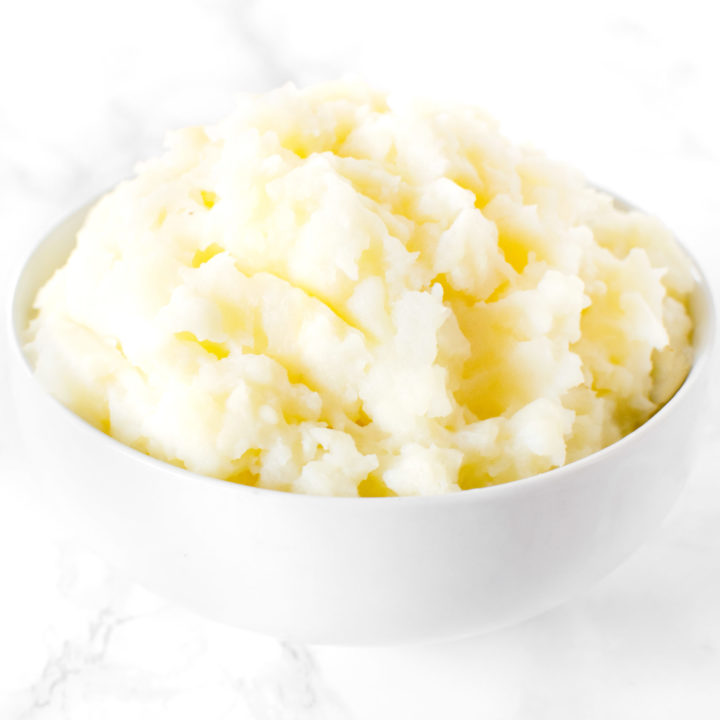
[{"x": 331, "y": 293}]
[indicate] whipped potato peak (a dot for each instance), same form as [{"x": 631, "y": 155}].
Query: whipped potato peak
[{"x": 328, "y": 294}]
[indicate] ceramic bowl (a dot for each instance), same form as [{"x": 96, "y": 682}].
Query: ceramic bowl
[{"x": 353, "y": 570}]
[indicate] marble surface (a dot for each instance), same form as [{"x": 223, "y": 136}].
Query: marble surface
[{"x": 626, "y": 91}]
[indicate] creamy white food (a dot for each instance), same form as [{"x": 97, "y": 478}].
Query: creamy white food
[{"x": 328, "y": 294}]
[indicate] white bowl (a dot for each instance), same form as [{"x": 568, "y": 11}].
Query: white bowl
[{"x": 355, "y": 570}]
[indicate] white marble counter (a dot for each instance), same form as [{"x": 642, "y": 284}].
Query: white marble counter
[{"x": 625, "y": 91}]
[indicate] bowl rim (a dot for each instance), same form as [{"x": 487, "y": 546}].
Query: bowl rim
[{"x": 703, "y": 350}]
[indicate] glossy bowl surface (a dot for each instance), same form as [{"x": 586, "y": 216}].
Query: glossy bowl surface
[{"x": 353, "y": 570}]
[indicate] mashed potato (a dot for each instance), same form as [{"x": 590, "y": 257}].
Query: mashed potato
[{"x": 327, "y": 293}]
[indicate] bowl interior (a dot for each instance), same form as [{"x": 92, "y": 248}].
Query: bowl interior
[{"x": 47, "y": 256}]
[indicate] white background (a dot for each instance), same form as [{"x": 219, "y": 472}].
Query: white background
[{"x": 628, "y": 92}]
